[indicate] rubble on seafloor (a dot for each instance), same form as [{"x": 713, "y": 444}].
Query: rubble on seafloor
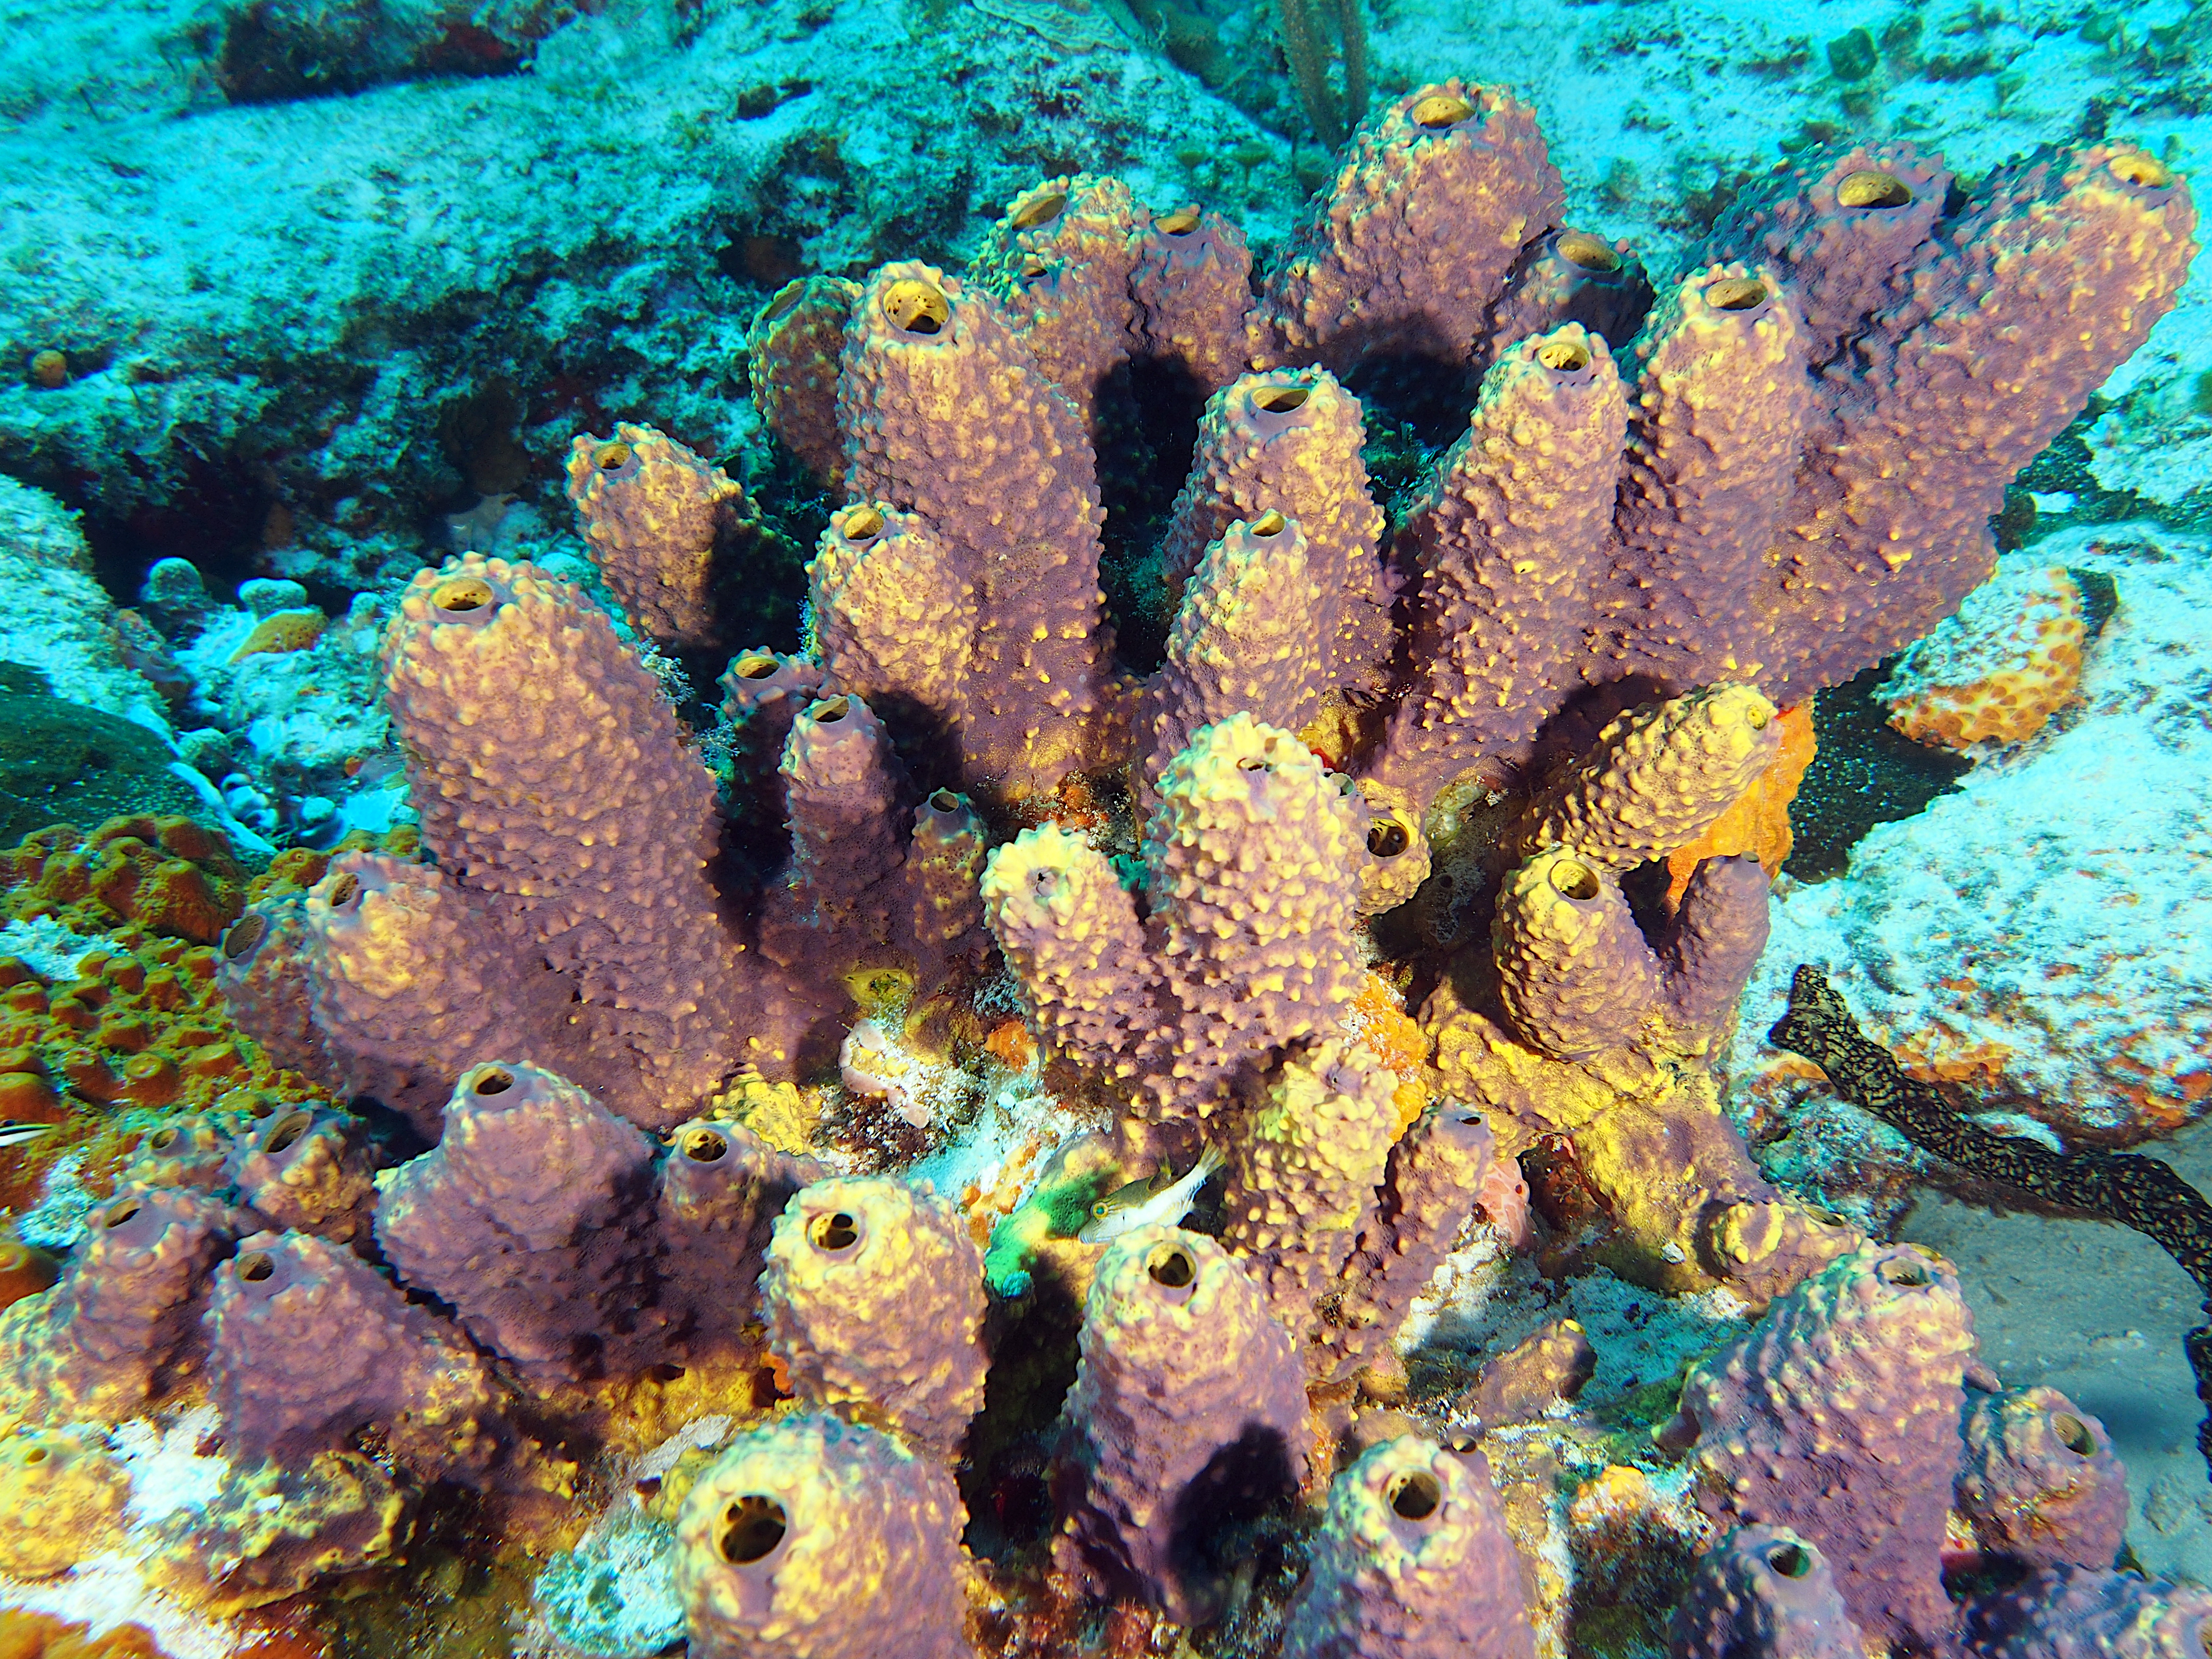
[{"x": 723, "y": 1187}]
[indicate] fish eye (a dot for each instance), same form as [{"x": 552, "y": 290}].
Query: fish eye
[{"x": 1098, "y": 1210}]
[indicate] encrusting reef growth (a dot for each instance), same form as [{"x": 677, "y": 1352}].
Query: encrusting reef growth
[{"x": 1423, "y": 764}]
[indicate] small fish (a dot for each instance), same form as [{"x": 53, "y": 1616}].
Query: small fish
[
  {"x": 23, "y": 1134},
  {"x": 1146, "y": 1200}
]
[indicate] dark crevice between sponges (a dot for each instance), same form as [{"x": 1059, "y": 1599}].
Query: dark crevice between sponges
[{"x": 1865, "y": 773}]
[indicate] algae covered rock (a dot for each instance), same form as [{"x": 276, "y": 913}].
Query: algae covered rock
[{"x": 64, "y": 763}]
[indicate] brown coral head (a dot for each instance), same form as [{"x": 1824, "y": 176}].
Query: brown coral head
[
  {"x": 1790, "y": 1559},
  {"x": 834, "y": 1232},
  {"x": 1270, "y": 524},
  {"x": 1437, "y": 110},
  {"x": 1564, "y": 357},
  {"x": 150, "y": 1080},
  {"x": 2132, "y": 166},
  {"x": 1180, "y": 222},
  {"x": 463, "y": 598},
  {"x": 1587, "y": 253},
  {"x": 1737, "y": 294},
  {"x": 287, "y": 1133},
  {"x": 1870, "y": 188},
  {"x": 50, "y": 370},
  {"x": 1573, "y": 879},
  {"x": 244, "y": 936},
  {"x": 613, "y": 457},
  {"x": 1172, "y": 1268},
  {"x": 1387, "y": 839},
  {"x": 1038, "y": 210},
  {"x": 758, "y": 667},
  {"x": 753, "y": 1528},
  {"x": 706, "y": 1146},
  {"x": 2073, "y": 1434},
  {"x": 488, "y": 1081},
  {"x": 1414, "y": 1495},
  {"x": 257, "y": 1268},
  {"x": 1280, "y": 399},
  {"x": 915, "y": 307},
  {"x": 856, "y": 524}
]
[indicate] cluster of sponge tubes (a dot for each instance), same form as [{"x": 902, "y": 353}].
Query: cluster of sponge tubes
[
  {"x": 1796, "y": 483},
  {"x": 1847, "y": 1451}
]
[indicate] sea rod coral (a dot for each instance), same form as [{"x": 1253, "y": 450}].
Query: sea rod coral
[{"x": 1565, "y": 661}]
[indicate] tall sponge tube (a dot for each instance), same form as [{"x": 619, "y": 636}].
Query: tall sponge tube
[
  {"x": 656, "y": 516},
  {"x": 554, "y": 779},
  {"x": 1188, "y": 1409},
  {"x": 1412, "y": 1562},
  {"x": 1242, "y": 639},
  {"x": 1838, "y": 1416},
  {"x": 947, "y": 415},
  {"x": 1507, "y": 536},
  {"x": 875, "y": 1298},
  {"x": 1765, "y": 1592},
  {"x": 1366, "y": 277},
  {"x": 1253, "y": 860},
  {"x": 1070, "y": 932},
  {"x": 818, "y": 1538},
  {"x": 528, "y": 1218},
  {"x": 1656, "y": 778}
]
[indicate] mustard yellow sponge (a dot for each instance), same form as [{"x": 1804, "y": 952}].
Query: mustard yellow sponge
[
  {"x": 1399, "y": 857},
  {"x": 818, "y": 1538},
  {"x": 875, "y": 1298},
  {"x": 60, "y": 1499},
  {"x": 656, "y": 515},
  {"x": 274, "y": 1532},
  {"x": 1572, "y": 964},
  {"x": 1657, "y": 778}
]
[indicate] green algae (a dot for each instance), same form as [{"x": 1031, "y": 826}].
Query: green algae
[{"x": 61, "y": 763}]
